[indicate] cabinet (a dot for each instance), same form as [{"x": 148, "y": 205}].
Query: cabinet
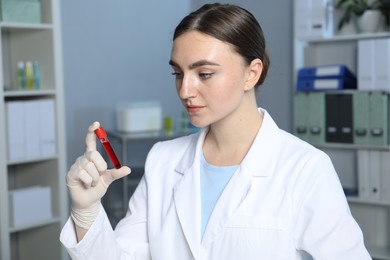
[
  {"x": 362, "y": 164},
  {"x": 36, "y": 41}
]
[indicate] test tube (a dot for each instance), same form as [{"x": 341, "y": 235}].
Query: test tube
[{"x": 102, "y": 136}]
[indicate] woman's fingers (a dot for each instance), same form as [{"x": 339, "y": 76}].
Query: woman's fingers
[
  {"x": 90, "y": 139},
  {"x": 97, "y": 159},
  {"x": 113, "y": 174},
  {"x": 88, "y": 173}
]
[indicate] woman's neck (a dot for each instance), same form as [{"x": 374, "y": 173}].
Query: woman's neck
[{"x": 227, "y": 143}]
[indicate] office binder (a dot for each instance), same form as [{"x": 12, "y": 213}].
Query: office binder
[
  {"x": 374, "y": 177},
  {"x": 325, "y": 71},
  {"x": 316, "y": 118},
  {"x": 325, "y": 77},
  {"x": 332, "y": 126},
  {"x": 375, "y": 186},
  {"x": 361, "y": 117},
  {"x": 16, "y": 127},
  {"x": 47, "y": 135},
  {"x": 338, "y": 118},
  {"x": 382, "y": 64},
  {"x": 379, "y": 119},
  {"x": 345, "y": 118},
  {"x": 385, "y": 175},
  {"x": 363, "y": 171},
  {"x": 373, "y": 64},
  {"x": 32, "y": 145},
  {"x": 301, "y": 115},
  {"x": 309, "y": 116},
  {"x": 322, "y": 84},
  {"x": 366, "y": 64}
]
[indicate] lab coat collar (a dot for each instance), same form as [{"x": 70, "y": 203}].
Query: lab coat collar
[
  {"x": 192, "y": 156},
  {"x": 187, "y": 193},
  {"x": 259, "y": 162},
  {"x": 260, "y": 157}
]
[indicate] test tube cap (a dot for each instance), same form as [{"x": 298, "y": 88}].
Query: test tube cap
[{"x": 100, "y": 133}]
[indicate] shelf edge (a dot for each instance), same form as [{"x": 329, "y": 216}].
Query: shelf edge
[
  {"x": 35, "y": 225},
  {"x": 25, "y": 26}
]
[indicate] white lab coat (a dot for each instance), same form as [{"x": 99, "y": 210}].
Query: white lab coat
[{"x": 284, "y": 202}]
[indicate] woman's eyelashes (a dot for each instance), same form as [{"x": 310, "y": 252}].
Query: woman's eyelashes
[
  {"x": 206, "y": 75},
  {"x": 202, "y": 75},
  {"x": 177, "y": 74}
]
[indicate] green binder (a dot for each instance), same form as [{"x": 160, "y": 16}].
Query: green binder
[
  {"x": 379, "y": 119},
  {"x": 317, "y": 117},
  {"x": 301, "y": 115},
  {"x": 361, "y": 117},
  {"x": 22, "y": 11}
]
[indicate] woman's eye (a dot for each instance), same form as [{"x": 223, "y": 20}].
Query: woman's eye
[
  {"x": 177, "y": 74},
  {"x": 205, "y": 75}
]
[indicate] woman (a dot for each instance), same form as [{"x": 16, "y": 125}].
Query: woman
[{"x": 241, "y": 188}]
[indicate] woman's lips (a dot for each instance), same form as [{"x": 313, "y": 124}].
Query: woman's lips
[{"x": 194, "y": 109}]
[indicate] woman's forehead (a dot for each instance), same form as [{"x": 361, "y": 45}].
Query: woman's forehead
[{"x": 199, "y": 46}]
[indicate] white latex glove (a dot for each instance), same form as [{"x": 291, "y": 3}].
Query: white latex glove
[{"x": 88, "y": 180}]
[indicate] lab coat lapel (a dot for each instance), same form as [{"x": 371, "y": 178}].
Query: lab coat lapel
[
  {"x": 258, "y": 163},
  {"x": 187, "y": 195},
  {"x": 231, "y": 198}
]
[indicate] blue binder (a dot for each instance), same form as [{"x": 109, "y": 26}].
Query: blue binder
[
  {"x": 325, "y": 71},
  {"x": 323, "y": 84},
  {"x": 326, "y": 77}
]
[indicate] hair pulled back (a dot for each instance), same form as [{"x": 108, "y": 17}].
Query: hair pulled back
[{"x": 231, "y": 24}]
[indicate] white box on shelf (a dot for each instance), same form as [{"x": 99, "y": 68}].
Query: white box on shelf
[
  {"x": 374, "y": 175},
  {"x": 32, "y": 129},
  {"x": 382, "y": 64},
  {"x": 314, "y": 19},
  {"x": 22, "y": 11},
  {"x": 374, "y": 64},
  {"x": 363, "y": 171},
  {"x": 385, "y": 178},
  {"x": 139, "y": 117},
  {"x": 30, "y": 205},
  {"x": 375, "y": 186},
  {"x": 16, "y": 128},
  {"x": 366, "y": 64},
  {"x": 47, "y": 135}
]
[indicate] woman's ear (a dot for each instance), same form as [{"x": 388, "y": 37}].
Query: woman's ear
[{"x": 255, "y": 69}]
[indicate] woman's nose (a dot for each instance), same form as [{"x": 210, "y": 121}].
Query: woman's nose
[{"x": 187, "y": 88}]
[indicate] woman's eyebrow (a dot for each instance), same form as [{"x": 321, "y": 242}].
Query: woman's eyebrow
[
  {"x": 174, "y": 64},
  {"x": 203, "y": 63},
  {"x": 194, "y": 65}
]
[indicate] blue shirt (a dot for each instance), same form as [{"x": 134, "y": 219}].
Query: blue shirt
[{"x": 213, "y": 180}]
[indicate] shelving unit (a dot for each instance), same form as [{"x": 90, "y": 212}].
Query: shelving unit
[
  {"x": 41, "y": 42},
  {"x": 372, "y": 214}
]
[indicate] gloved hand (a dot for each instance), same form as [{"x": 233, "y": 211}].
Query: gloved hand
[{"x": 88, "y": 180}]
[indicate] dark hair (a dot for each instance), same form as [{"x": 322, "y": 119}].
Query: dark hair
[{"x": 231, "y": 24}]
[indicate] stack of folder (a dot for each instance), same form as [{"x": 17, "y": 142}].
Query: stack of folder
[
  {"x": 339, "y": 118},
  {"x": 373, "y": 64},
  {"x": 359, "y": 117},
  {"x": 373, "y": 175},
  {"x": 31, "y": 129},
  {"x": 326, "y": 77}
]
